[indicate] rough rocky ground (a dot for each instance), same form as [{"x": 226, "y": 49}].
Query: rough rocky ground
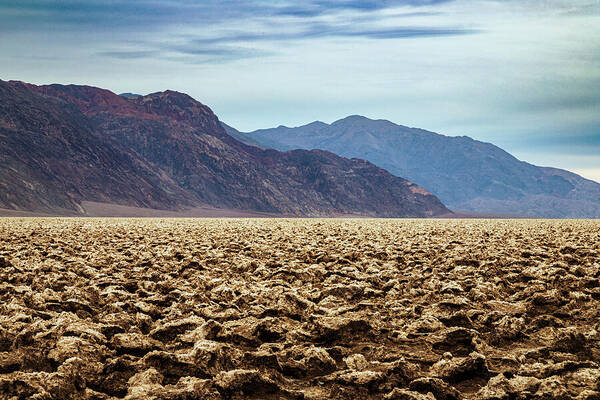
[{"x": 292, "y": 309}]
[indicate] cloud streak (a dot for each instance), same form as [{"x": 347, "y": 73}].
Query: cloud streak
[
  {"x": 127, "y": 55},
  {"x": 323, "y": 31},
  {"x": 277, "y": 22},
  {"x": 229, "y": 47},
  {"x": 125, "y": 12}
]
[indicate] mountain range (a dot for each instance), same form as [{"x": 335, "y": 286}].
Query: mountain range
[
  {"x": 62, "y": 146},
  {"x": 465, "y": 174}
]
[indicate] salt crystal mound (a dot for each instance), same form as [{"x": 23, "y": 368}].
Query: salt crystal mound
[{"x": 299, "y": 309}]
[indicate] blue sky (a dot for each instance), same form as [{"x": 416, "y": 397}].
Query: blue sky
[{"x": 522, "y": 74}]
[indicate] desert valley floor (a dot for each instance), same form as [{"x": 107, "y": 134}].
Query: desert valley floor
[{"x": 299, "y": 309}]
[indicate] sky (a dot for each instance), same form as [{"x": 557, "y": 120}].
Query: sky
[{"x": 522, "y": 74}]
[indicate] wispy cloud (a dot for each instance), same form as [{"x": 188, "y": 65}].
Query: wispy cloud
[
  {"x": 115, "y": 12},
  {"x": 230, "y": 46},
  {"x": 274, "y": 22},
  {"x": 152, "y": 14},
  {"x": 324, "y": 30},
  {"x": 129, "y": 54},
  {"x": 192, "y": 53}
]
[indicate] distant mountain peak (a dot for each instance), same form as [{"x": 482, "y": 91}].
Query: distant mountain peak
[
  {"x": 353, "y": 118},
  {"x": 173, "y": 97},
  {"x": 130, "y": 95},
  {"x": 466, "y": 174},
  {"x": 364, "y": 122},
  {"x": 317, "y": 123},
  {"x": 314, "y": 124}
]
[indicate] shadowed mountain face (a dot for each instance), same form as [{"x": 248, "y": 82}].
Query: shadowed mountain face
[
  {"x": 51, "y": 159},
  {"x": 61, "y": 145},
  {"x": 464, "y": 173}
]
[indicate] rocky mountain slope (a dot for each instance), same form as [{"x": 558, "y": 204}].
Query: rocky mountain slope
[
  {"x": 465, "y": 174},
  {"x": 63, "y": 145},
  {"x": 50, "y": 159}
]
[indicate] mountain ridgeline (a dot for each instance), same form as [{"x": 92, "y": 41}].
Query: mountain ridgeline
[
  {"x": 61, "y": 146},
  {"x": 465, "y": 174}
]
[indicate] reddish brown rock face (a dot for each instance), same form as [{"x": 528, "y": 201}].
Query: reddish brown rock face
[
  {"x": 299, "y": 309},
  {"x": 62, "y": 145}
]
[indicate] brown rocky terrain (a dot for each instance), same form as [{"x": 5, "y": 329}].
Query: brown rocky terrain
[
  {"x": 61, "y": 146},
  {"x": 299, "y": 309}
]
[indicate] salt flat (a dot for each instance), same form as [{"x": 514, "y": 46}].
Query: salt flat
[{"x": 299, "y": 308}]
